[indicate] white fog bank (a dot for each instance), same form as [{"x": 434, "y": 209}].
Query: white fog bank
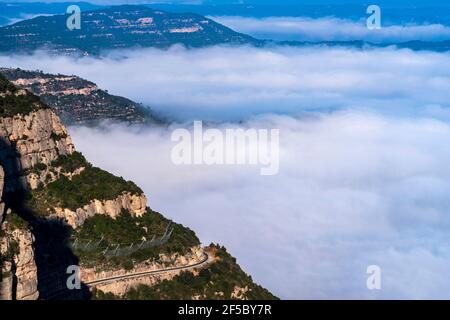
[
  {"x": 363, "y": 174},
  {"x": 354, "y": 189},
  {"x": 236, "y": 83}
]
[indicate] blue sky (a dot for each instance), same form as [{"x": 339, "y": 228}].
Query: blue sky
[{"x": 296, "y": 2}]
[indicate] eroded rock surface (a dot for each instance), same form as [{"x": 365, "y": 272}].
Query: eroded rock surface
[
  {"x": 19, "y": 271},
  {"x": 27, "y": 141},
  {"x": 135, "y": 204}
]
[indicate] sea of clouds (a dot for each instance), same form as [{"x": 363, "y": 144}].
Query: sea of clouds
[
  {"x": 229, "y": 83},
  {"x": 354, "y": 189},
  {"x": 364, "y": 176},
  {"x": 331, "y": 29}
]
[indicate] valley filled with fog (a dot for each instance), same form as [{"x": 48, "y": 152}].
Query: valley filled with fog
[{"x": 364, "y": 176}]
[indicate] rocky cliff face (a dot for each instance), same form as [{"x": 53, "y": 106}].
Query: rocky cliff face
[
  {"x": 20, "y": 281},
  {"x": 136, "y": 205},
  {"x": 62, "y": 211},
  {"x": 29, "y": 141},
  {"x": 2, "y": 205},
  {"x": 36, "y": 151},
  {"x": 18, "y": 268}
]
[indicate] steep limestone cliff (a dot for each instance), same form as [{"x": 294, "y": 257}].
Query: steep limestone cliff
[
  {"x": 21, "y": 271},
  {"x": 37, "y": 155},
  {"x": 135, "y": 204},
  {"x": 2, "y": 205},
  {"x": 63, "y": 211},
  {"x": 31, "y": 141},
  {"x": 36, "y": 150},
  {"x": 18, "y": 269}
]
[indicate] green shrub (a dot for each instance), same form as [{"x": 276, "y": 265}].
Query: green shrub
[
  {"x": 69, "y": 163},
  {"x": 100, "y": 295},
  {"x": 92, "y": 183},
  {"x": 16, "y": 222},
  {"x": 8, "y": 256},
  {"x": 11, "y": 105},
  {"x": 55, "y": 137},
  {"x": 126, "y": 230}
]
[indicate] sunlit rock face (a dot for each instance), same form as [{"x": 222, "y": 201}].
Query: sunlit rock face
[
  {"x": 136, "y": 205},
  {"x": 27, "y": 141},
  {"x": 51, "y": 193}
]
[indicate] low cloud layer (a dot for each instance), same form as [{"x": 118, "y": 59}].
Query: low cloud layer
[
  {"x": 223, "y": 83},
  {"x": 331, "y": 29},
  {"x": 354, "y": 189},
  {"x": 363, "y": 178}
]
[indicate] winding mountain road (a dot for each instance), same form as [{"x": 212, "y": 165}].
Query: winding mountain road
[{"x": 206, "y": 260}]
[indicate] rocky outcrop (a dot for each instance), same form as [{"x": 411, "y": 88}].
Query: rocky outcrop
[
  {"x": 30, "y": 140},
  {"x": 35, "y": 150},
  {"x": 239, "y": 293},
  {"x": 135, "y": 204},
  {"x": 19, "y": 269},
  {"x": 48, "y": 175},
  {"x": 18, "y": 266},
  {"x": 2, "y": 205},
  {"x": 6, "y": 280},
  {"x": 26, "y": 271}
]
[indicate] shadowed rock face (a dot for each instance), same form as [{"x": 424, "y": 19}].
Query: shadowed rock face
[
  {"x": 19, "y": 280},
  {"x": 34, "y": 139},
  {"x": 51, "y": 194},
  {"x": 30, "y": 139},
  {"x": 18, "y": 267},
  {"x": 34, "y": 148},
  {"x": 2, "y": 205}
]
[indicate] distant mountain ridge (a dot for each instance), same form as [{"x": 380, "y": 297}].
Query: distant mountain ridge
[
  {"x": 115, "y": 28},
  {"x": 131, "y": 26},
  {"x": 394, "y": 12},
  {"x": 78, "y": 101}
]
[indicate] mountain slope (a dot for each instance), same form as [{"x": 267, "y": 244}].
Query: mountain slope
[
  {"x": 115, "y": 28},
  {"x": 78, "y": 101},
  {"x": 58, "y": 211}
]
